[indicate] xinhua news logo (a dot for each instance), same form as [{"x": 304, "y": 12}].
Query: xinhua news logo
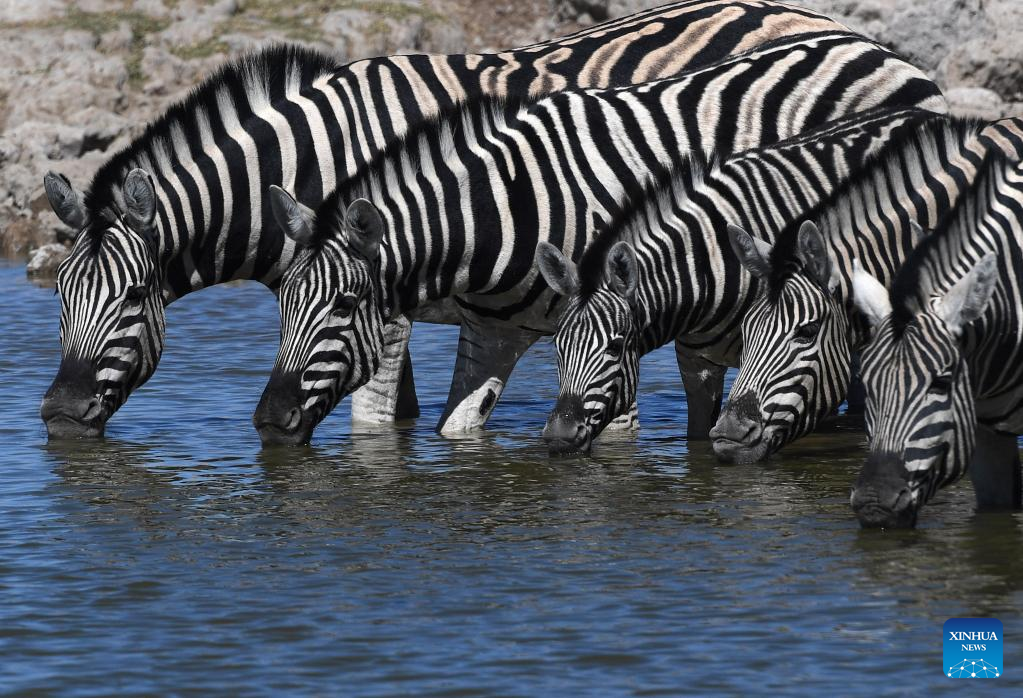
[{"x": 973, "y": 648}]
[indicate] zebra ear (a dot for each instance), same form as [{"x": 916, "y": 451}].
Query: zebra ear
[
  {"x": 66, "y": 201},
  {"x": 365, "y": 228},
  {"x": 558, "y": 270},
  {"x": 290, "y": 215},
  {"x": 814, "y": 256},
  {"x": 967, "y": 300},
  {"x": 139, "y": 200},
  {"x": 622, "y": 270},
  {"x": 870, "y": 296},
  {"x": 752, "y": 252}
]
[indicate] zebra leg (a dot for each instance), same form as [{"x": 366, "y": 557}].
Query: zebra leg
[
  {"x": 995, "y": 471},
  {"x": 391, "y": 393},
  {"x": 486, "y": 357},
  {"x": 704, "y": 382}
]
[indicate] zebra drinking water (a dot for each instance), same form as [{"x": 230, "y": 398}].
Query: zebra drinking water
[
  {"x": 183, "y": 206},
  {"x": 664, "y": 270},
  {"x": 944, "y": 364},
  {"x": 799, "y": 336},
  {"x": 458, "y": 210}
]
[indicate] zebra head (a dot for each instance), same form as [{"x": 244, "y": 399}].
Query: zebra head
[
  {"x": 596, "y": 340},
  {"x": 794, "y": 364},
  {"x": 332, "y": 322},
  {"x": 111, "y": 305},
  {"x": 920, "y": 410}
]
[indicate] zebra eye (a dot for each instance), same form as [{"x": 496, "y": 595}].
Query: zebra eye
[
  {"x": 941, "y": 385},
  {"x": 135, "y": 294},
  {"x": 615, "y": 347},
  {"x": 806, "y": 333},
  {"x": 345, "y": 304}
]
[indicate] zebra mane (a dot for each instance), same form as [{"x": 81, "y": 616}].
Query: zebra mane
[
  {"x": 639, "y": 199},
  {"x": 479, "y": 112},
  {"x": 917, "y": 279},
  {"x": 263, "y": 76},
  {"x": 879, "y": 169}
]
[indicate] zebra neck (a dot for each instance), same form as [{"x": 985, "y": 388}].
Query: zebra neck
[
  {"x": 924, "y": 182},
  {"x": 691, "y": 283},
  {"x": 989, "y": 218}
]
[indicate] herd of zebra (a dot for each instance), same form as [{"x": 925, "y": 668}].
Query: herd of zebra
[{"x": 748, "y": 179}]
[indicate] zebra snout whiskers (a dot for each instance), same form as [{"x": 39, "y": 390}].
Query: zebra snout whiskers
[
  {"x": 740, "y": 421},
  {"x": 280, "y": 418},
  {"x": 72, "y": 406},
  {"x": 566, "y": 429},
  {"x": 882, "y": 496}
]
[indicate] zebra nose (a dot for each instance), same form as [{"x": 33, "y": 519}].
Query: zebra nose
[
  {"x": 736, "y": 428},
  {"x": 566, "y": 428},
  {"x": 67, "y": 417},
  {"x": 881, "y": 497},
  {"x": 883, "y": 508},
  {"x": 71, "y": 407},
  {"x": 82, "y": 409},
  {"x": 294, "y": 417},
  {"x": 279, "y": 418}
]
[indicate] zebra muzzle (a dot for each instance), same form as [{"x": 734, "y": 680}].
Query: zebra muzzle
[
  {"x": 279, "y": 418},
  {"x": 738, "y": 434},
  {"x": 71, "y": 408},
  {"x": 881, "y": 497},
  {"x": 566, "y": 430}
]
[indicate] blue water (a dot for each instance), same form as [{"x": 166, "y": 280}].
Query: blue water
[{"x": 177, "y": 557}]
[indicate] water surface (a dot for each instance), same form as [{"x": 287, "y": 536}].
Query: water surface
[{"x": 176, "y": 556}]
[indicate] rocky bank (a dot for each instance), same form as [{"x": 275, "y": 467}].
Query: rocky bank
[{"x": 79, "y": 79}]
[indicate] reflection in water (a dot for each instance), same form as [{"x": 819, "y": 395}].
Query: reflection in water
[{"x": 176, "y": 556}]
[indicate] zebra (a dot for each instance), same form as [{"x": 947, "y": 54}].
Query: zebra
[
  {"x": 194, "y": 182},
  {"x": 664, "y": 270},
  {"x": 464, "y": 202},
  {"x": 943, "y": 366},
  {"x": 799, "y": 337}
]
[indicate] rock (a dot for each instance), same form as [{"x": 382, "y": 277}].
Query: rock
[
  {"x": 163, "y": 71},
  {"x": 151, "y": 8},
  {"x": 117, "y": 40},
  {"x": 31, "y": 10},
  {"x": 360, "y": 33},
  {"x": 978, "y": 102},
  {"x": 45, "y": 260},
  {"x": 19, "y": 237},
  {"x": 996, "y": 66}
]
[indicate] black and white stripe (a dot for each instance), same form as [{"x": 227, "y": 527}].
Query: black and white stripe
[
  {"x": 666, "y": 271},
  {"x": 466, "y": 202},
  {"x": 944, "y": 365},
  {"x": 799, "y": 336},
  {"x": 297, "y": 119}
]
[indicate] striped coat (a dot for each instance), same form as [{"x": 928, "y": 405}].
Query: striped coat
[
  {"x": 799, "y": 337},
  {"x": 464, "y": 203},
  {"x": 297, "y": 119},
  {"x": 943, "y": 366}
]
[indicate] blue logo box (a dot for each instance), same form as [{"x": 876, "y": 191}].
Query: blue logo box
[{"x": 973, "y": 648}]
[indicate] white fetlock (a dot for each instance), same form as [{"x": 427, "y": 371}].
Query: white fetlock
[{"x": 472, "y": 412}]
